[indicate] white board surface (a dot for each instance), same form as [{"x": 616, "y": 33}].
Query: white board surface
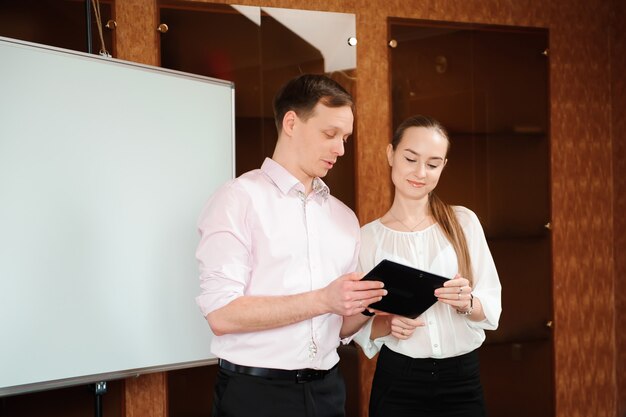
[{"x": 104, "y": 168}]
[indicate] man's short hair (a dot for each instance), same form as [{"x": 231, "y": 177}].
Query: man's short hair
[{"x": 301, "y": 94}]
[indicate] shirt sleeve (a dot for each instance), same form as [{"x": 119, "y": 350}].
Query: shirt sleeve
[
  {"x": 486, "y": 286},
  {"x": 224, "y": 251},
  {"x": 353, "y": 267},
  {"x": 367, "y": 260}
]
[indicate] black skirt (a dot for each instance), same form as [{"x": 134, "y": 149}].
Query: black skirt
[{"x": 428, "y": 387}]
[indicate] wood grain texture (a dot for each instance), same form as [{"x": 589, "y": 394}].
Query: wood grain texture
[
  {"x": 587, "y": 156},
  {"x": 347, "y": 6},
  {"x": 373, "y": 116},
  {"x": 136, "y": 34},
  {"x": 146, "y": 395},
  {"x": 618, "y": 106},
  {"x": 582, "y": 211}
]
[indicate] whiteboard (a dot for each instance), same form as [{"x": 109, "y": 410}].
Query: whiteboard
[{"x": 104, "y": 168}]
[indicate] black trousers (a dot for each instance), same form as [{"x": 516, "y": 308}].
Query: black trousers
[
  {"x": 404, "y": 386},
  {"x": 238, "y": 395}
]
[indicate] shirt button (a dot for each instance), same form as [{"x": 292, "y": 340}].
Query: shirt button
[
  {"x": 430, "y": 322},
  {"x": 435, "y": 345}
]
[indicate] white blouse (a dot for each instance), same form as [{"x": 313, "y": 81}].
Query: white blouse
[{"x": 446, "y": 333}]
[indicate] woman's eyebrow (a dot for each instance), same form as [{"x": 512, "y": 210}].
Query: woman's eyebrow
[{"x": 417, "y": 154}]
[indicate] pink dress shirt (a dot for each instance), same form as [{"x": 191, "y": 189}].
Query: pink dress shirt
[{"x": 260, "y": 235}]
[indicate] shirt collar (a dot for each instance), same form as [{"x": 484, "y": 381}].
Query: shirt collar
[
  {"x": 320, "y": 188},
  {"x": 285, "y": 181}
]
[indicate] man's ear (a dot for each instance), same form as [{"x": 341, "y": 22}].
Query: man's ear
[
  {"x": 445, "y": 161},
  {"x": 390, "y": 155},
  {"x": 289, "y": 121}
]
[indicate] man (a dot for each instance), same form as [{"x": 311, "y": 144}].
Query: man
[{"x": 277, "y": 255}]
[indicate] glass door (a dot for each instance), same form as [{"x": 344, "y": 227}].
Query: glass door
[
  {"x": 259, "y": 49},
  {"x": 489, "y": 87}
]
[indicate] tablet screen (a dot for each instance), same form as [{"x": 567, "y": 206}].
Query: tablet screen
[{"x": 410, "y": 291}]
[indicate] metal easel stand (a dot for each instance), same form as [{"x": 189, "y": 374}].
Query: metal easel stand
[{"x": 99, "y": 389}]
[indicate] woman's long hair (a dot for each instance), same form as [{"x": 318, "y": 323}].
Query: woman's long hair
[{"x": 440, "y": 211}]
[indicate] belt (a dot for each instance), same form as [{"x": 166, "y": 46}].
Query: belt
[{"x": 296, "y": 375}]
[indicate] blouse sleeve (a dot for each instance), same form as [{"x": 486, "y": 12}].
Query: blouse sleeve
[
  {"x": 362, "y": 338},
  {"x": 486, "y": 286}
]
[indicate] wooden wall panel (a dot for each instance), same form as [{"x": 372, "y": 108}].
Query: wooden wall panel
[
  {"x": 347, "y": 6},
  {"x": 582, "y": 161},
  {"x": 146, "y": 395},
  {"x": 373, "y": 116},
  {"x": 582, "y": 211},
  {"x": 618, "y": 92},
  {"x": 136, "y": 34}
]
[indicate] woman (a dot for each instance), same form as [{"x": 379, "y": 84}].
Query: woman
[{"x": 428, "y": 366}]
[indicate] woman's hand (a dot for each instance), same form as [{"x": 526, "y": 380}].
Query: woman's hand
[
  {"x": 456, "y": 293},
  {"x": 391, "y": 324},
  {"x": 403, "y": 327}
]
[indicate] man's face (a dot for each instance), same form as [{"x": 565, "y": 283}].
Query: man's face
[{"x": 320, "y": 140}]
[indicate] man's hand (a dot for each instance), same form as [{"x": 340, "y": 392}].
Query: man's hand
[{"x": 349, "y": 295}]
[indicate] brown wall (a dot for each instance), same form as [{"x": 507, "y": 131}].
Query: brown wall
[
  {"x": 618, "y": 107},
  {"x": 582, "y": 211},
  {"x": 585, "y": 174}
]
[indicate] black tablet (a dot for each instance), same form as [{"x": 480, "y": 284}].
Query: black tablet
[{"x": 410, "y": 291}]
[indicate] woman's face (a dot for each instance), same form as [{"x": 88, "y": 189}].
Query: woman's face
[{"x": 417, "y": 162}]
